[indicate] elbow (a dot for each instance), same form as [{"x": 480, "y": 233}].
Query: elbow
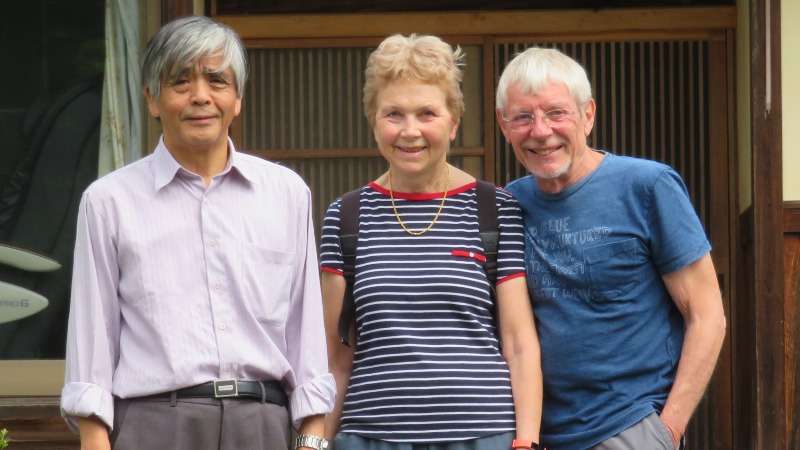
[{"x": 721, "y": 325}]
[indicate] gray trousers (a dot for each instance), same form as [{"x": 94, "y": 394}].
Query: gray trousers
[
  {"x": 650, "y": 433},
  {"x": 346, "y": 441},
  {"x": 199, "y": 424}
]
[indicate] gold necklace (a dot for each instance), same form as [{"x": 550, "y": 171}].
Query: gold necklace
[{"x": 441, "y": 206}]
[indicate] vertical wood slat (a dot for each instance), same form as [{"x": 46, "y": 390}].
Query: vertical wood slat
[
  {"x": 305, "y": 99},
  {"x": 723, "y": 229}
]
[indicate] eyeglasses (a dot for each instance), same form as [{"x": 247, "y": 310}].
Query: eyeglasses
[{"x": 524, "y": 121}]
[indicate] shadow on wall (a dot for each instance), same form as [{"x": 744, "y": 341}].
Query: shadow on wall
[{"x": 39, "y": 207}]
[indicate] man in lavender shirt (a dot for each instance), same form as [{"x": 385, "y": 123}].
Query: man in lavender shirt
[{"x": 196, "y": 315}]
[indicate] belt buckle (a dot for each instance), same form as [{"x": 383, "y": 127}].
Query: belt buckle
[{"x": 225, "y": 388}]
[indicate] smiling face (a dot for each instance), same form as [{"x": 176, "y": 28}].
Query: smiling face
[
  {"x": 414, "y": 128},
  {"x": 555, "y": 152},
  {"x": 196, "y": 108}
]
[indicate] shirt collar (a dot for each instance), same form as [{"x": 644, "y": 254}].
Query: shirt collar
[{"x": 166, "y": 167}]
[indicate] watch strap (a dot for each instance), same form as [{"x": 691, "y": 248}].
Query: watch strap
[{"x": 315, "y": 442}]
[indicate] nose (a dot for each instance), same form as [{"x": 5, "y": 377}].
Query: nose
[
  {"x": 539, "y": 128},
  {"x": 201, "y": 92},
  {"x": 410, "y": 127}
]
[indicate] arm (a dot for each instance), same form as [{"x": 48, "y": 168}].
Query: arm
[
  {"x": 93, "y": 332},
  {"x": 340, "y": 356},
  {"x": 314, "y": 392},
  {"x": 94, "y": 434},
  {"x": 695, "y": 291},
  {"x": 312, "y": 425},
  {"x": 522, "y": 353}
]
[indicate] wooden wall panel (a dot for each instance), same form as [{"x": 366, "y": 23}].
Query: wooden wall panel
[
  {"x": 36, "y": 424},
  {"x": 310, "y": 98},
  {"x": 791, "y": 287},
  {"x": 743, "y": 331}
]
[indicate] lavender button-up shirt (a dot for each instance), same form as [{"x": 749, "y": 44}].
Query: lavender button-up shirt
[{"x": 176, "y": 284}]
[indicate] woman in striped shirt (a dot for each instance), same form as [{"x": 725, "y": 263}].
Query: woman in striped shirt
[{"x": 428, "y": 371}]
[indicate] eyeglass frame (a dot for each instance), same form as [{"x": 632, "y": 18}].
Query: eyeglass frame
[{"x": 546, "y": 118}]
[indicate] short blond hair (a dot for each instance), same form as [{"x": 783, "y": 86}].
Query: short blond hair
[{"x": 425, "y": 58}]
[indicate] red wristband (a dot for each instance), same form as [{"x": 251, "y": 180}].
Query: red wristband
[{"x": 523, "y": 443}]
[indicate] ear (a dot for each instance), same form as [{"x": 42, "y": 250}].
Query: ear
[
  {"x": 502, "y": 124},
  {"x": 453, "y": 132},
  {"x": 152, "y": 104},
  {"x": 237, "y": 108},
  {"x": 589, "y": 113}
]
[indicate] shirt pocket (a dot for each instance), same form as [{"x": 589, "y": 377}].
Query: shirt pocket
[
  {"x": 612, "y": 270},
  {"x": 267, "y": 282}
]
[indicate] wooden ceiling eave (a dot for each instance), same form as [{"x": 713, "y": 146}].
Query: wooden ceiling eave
[{"x": 666, "y": 21}]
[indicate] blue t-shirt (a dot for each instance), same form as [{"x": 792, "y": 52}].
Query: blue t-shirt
[{"x": 611, "y": 335}]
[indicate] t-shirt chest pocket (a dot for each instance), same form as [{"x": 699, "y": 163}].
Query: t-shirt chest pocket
[{"x": 612, "y": 269}]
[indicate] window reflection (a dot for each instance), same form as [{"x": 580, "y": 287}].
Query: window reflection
[{"x": 49, "y": 127}]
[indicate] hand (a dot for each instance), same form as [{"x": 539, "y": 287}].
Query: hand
[{"x": 676, "y": 436}]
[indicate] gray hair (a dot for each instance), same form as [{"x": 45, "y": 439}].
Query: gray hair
[
  {"x": 534, "y": 68},
  {"x": 185, "y": 41}
]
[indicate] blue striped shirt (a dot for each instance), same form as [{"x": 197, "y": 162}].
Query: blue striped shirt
[{"x": 427, "y": 365}]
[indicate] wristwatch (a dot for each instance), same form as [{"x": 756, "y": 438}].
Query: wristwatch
[{"x": 315, "y": 442}]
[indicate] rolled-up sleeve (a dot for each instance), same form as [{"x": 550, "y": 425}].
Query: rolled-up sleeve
[
  {"x": 315, "y": 389},
  {"x": 93, "y": 332}
]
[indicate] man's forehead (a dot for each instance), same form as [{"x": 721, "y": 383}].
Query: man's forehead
[{"x": 204, "y": 64}]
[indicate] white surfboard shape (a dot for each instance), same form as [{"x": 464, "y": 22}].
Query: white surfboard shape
[{"x": 16, "y": 302}]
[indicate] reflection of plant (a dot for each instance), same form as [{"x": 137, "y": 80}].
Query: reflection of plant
[{"x": 4, "y": 440}]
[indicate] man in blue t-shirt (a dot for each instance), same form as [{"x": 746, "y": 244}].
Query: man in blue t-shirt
[{"x": 625, "y": 294}]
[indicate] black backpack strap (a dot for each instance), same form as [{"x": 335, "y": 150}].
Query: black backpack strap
[
  {"x": 348, "y": 243},
  {"x": 489, "y": 228}
]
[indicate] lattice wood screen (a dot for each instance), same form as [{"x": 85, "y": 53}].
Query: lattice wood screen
[{"x": 310, "y": 99}]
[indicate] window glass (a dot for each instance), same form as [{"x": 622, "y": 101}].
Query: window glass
[{"x": 49, "y": 120}]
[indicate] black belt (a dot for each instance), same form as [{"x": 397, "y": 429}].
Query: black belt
[{"x": 269, "y": 391}]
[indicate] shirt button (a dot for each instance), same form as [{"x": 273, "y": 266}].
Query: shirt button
[
  {"x": 228, "y": 367},
  {"x": 212, "y": 242},
  {"x": 223, "y": 327},
  {"x": 217, "y": 285},
  {"x": 205, "y": 200}
]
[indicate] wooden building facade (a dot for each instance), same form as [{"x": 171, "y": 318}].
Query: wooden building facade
[{"x": 664, "y": 79}]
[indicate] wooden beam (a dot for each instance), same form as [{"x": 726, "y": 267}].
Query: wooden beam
[
  {"x": 474, "y": 23},
  {"x": 768, "y": 293}
]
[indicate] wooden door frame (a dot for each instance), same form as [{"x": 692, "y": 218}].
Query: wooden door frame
[{"x": 766, "y": 219}]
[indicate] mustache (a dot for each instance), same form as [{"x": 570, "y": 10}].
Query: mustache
[{"x": 535, "y": 143}]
